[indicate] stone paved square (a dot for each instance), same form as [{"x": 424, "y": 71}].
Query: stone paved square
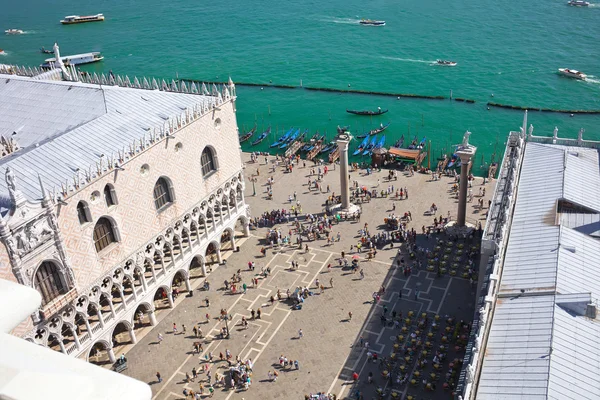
[{"x": 329, "y": 351}]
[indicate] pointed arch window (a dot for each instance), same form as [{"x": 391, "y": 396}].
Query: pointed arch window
[
  {"x": 83, "y": 213},
  {"x": 104, "y": 234},
  {"x": 163, "y": 193},
  {"x": 110, "y": 196},
  {"x": 49, "y": 282},
  {"x": 209, "y": 161}
]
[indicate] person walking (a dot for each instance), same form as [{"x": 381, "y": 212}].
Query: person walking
[
  {"x": 300, "y": 334},
  {"x": 158, "y": 377},
  {"x": 174, "y": 328},
  {"x": 160, "y": 338},
  {"x": 350, "y": 317}
]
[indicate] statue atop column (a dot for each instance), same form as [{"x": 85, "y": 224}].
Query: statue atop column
[{"x": 465, "y": 141}]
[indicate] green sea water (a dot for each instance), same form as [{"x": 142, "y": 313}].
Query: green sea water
[{"x": 509, "y": 49}]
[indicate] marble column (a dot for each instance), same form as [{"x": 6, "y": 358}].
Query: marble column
[
  {"x": 203, "y": 266},
  {"x": 232, "y": 241},
  {"x": 111, "y": 355},
  {"x": 170, "y": 298},
  {"x": 132, "y": 335},
  {"x": 465, "y": 153},
  {"x": 246, "y": 229},
  {"x": 219, "y": 258},
  {"x": 342, "y": 142},
  {"x": 188, "y": 286},
  {"x": 152, "y": 317},
  {"x": 61, "y": 344}
]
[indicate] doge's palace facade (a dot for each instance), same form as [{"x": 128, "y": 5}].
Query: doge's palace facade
[{"x": 115, "y": 193}]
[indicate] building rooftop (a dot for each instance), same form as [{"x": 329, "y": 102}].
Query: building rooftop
[
  {"x": 543, "y": 342},
  {"x": 62, "y": 128}
]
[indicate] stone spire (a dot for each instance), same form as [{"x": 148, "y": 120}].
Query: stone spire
[{"x": 58, "y": 63}]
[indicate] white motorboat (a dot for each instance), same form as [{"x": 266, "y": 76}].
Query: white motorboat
[
  {"x": 572, "y": 73},
  {"x": 446, "y": 63},
  {"x": 578, "y": 3},
  {"x": 77, "y": 59},
  {"x": 13, "y": 32}
]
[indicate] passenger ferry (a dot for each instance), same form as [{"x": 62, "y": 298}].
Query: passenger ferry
[
  {"x": 76, "y": 19},
  {"x": 77, "y": 59}
]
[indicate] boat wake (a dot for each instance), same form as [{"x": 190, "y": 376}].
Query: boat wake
[
  {"x": 408, "y": 60},
  {"x": 347, "y": 21},
  {"x": 592, "y": 79}
]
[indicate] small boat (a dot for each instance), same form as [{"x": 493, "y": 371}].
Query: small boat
[
  {"x": 446, "y": 63},
  {"x": 378, "y": 145},
  {"x": 244, "y": 137},
  {"x": 370, "y": 146},
  {"x": 422, "y": 143},
  {"x": 14, "y": 32},
  {"x": 379, "y": 130},
  {"x": 328, "y": 147},
  {"x": 76, "y": 19},
  {"x": 262, "y": 136},
  {"x": 400, "y": 142},
  {"x": 368, "y": 112},
  {"x": 453, "y": 160},
  {"x": 313, "y": 142},
  {"x": 289, "y": 140},
  {"x": 43, "y": 50},
  {"x": 77, "y": 59},
  {"x": 310, "y": 141},
  {"x": 413, "y": 143},
  {"x": 578, "y": 3},
  {"x": 572, "y": 73},
  {"x": 362, "y": 146},
  {"x": 282, "y": 139},
  {"x": 2, "y": 52},
  {"x": 371, "y": 22}
]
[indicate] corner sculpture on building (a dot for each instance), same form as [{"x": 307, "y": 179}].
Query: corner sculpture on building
[{"x": 114, "y": 193}]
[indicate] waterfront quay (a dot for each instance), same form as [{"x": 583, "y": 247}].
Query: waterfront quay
[{"x": 427, "y": 310}]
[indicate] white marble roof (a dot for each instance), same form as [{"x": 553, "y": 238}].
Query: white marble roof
[{"x": 64, "y": 126}]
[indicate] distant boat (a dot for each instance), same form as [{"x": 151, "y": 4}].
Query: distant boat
[
  {"x": 578, "y": 3},
  {"x": 2, "y": 52},
  {"x": 446, "y": 63},
  {"x": 283, "y": 138},
  {"x": 43, "y": 50},
  {"x": 379, "y": 111},
  {"x": 370, "y": 146},
  {"x": 572, "y": 73},
  {"x": 76, "y": 19},
  {"x": 374, "y": 131},
  {"x": 14, "y": 32},
  {"x": 262, "y": 136},
  {"x": 244, "y": 137},
  {"x": 362, "y": 146},
  {"x": 422, "y": 143},
  {"x": 371, "y": 22},
  {"x": 77, "y": 59}
]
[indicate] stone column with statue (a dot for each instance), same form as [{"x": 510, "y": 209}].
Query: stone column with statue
[{"x": 466, "y": 152}]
